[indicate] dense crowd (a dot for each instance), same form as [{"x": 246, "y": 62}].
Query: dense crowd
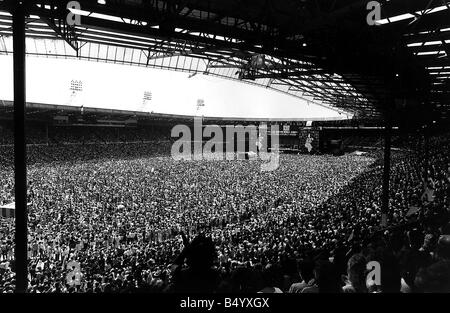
[{"x": 126, "y": 218}]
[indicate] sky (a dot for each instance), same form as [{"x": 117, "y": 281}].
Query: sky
[{"x": 122, "y": 87}]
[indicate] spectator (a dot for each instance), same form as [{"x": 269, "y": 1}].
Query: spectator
[
  {"x": 356, "y": 275},
  {"x": 306, "y": 274},
  {"x": 434, "y": 278}
]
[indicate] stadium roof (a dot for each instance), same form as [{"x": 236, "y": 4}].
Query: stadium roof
[
  {"x": 323, "y": 50},
  {"x": 47, "y": 112}
]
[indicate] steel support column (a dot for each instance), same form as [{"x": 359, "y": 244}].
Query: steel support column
[
  {"x": 385, "y": 214},
  {"x": 426, "y": 146},
  {"x": 20, "y": 148}
]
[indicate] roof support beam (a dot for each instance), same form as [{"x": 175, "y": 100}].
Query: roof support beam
[{"x": 20, "y": 153}]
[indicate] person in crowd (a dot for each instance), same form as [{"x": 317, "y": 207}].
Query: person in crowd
[
  {"x": 271, "y": 279},
  {"x": 307, "y": 276},
  {"x": 356, "y": 275},
  {"x": 327, "y": 279},
  {"x": 198, "y": 275},
  {"x": 434, "y": 278}
]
